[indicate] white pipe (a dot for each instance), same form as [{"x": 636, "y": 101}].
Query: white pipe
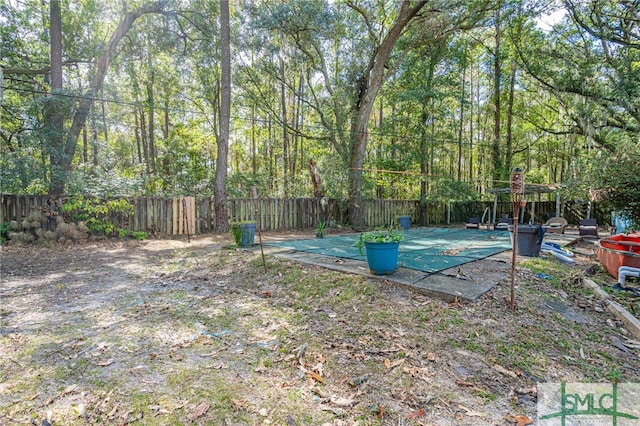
[
  {"x": 627, "y": 271},
  {"x": 483, "y": 214}
]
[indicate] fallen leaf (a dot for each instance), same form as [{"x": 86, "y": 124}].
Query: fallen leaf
[
  {"x": 238, "y": 404},
  {"x": 335, "y": 410},
  {"x": 501, "y": 369},
  {"x": 260, "y": 368},
  {"x": 342, "y": 402},
  {"x": 378, "y": 410},
  {"x": 198, "y": 411},
  {"x": 522, "y": 420},
  {"x": 415, "y": 414},
  {"x": 465, "y": 384},
  {"x": 471, "y": 413},
  {"x": 113, "y": 412},
  {"x": 69, "y": 389},
  {"x": 528, "y": 391},
  {"x": 315, "y": 376},
  {"x": 290, "y": 383},
  {"x": 389, "y": 364}
]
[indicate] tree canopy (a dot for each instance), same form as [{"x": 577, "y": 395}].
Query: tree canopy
[{"x": 393, "y": 99}]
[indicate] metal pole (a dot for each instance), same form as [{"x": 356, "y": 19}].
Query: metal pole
[
  {"x": 516, "y": 207},
  {"x": 254, "y": 195},
  {"x": 517, "y": 192}
]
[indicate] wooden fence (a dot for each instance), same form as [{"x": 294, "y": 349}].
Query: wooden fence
[{"x": 176, "y": 216}]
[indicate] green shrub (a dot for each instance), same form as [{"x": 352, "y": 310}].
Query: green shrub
[
  {"x": 5, "y": 227},
  {"x": 99, "y": 216}
]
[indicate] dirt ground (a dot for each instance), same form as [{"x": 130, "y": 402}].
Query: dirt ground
[{"x": 166, "y": 332}]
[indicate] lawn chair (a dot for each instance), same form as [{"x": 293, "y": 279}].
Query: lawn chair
[
  {"x": 556, "y": 225},
  {"x": 588, "y": 228},
  {"x": 503, "y": 224},
  {"x": 473, "y": 223}
]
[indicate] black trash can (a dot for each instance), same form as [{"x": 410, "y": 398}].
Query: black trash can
[{"x": 529, "y": 239}]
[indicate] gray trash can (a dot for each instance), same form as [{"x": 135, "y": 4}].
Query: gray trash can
[{"x": 529, "y": 239}]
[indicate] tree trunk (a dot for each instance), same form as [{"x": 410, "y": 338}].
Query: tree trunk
[
  {"x": 497, "y": 71},
  {"x": 85, "y": 145},
  {"x": 471, "y": 125},
  {"x": 285, "y": 134},
  {"x": 369, "y": 85},
  {"x": 145, "y": 143},
  {"x": 318, "y": 190},
  {"x": 220, "y": 190},
  {"x": 509, "y": 135},
  {"x": 137, "y": 134},
  {"x": 254, "y": 151},
  {"x": 61, "y": 160},
  {"x": 462, "y": 100},
  {"x": 165, "y": 121},
  {"x": 105, "y": 128},
  {"x": 53, "y": 116},
  {"x": 151, "y": 125}
]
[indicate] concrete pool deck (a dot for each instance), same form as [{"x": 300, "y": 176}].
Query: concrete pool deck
[{"x": 466, "y": 282}]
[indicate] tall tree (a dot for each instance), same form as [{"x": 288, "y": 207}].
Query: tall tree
[
  {"x": 220, "y": 191},
  {"x": 53, "y": 113},
  {"x": 60, "y": 161}
]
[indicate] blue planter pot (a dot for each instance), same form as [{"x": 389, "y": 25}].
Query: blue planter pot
[
  {"x": 248, "y": 234},
  {"x": 404, "y": 222},
  {"x": 382, "y": 257}
]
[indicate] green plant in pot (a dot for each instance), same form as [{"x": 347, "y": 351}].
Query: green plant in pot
[
  {"x": 243, "y": 233},
  {"x": 320, "y": 227},
  {"x": 381, "y": 248}
]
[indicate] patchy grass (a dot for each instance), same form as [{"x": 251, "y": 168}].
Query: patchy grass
[{"x": 165, "y": 332}]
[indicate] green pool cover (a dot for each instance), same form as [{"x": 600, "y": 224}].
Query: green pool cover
[{"x": 424, "y": 249}]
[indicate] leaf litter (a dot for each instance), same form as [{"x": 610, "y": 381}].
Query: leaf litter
[{"x": 169, "y": 332}]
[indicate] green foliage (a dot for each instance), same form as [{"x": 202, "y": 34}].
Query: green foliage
[
  {"x": 104, "y": 183},
  {"x": 138, "y": 235},
  {"x": 236, "y": 231},
  {"x": 448, "y": 189},
  {"x": 616, "y": 178},
  {"x": 378, "y": 236},
  {"x": 100, "y": 216},
  {"x": 5, "y": 227}
]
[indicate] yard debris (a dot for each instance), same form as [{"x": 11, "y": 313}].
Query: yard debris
[
  {"x": 357, "y": 381},
  {"x": 502, "y": 370},
  {"x": 333, "y": 341},
  {"x": 198, "y": 411},
  {"x": 471, "y": 413},
  {"x": 341, "y": 401},
  {"x": 104, "y": 363},
  {"x": 528, "y": 391},
  {"x": 521, "y": 420},
  {"x": 390, "y": 365},
  {"x": 416, "y": 413}
]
